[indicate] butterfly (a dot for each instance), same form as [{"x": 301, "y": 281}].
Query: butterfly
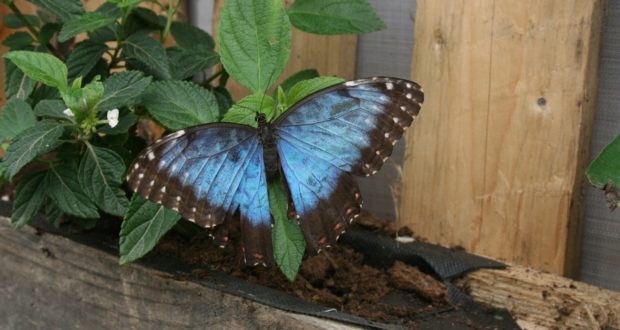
[{"x": 210, "y": 171}]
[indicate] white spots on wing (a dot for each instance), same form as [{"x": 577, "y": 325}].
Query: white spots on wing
[
  {"x": 378, "y": 152},
  {"x": 395, "y": 119},
  {"x": 408, "y": 96},
  {"x": 163, "y": 189},
  {"x": 374, "y": 78},
  {"x": 403, "y": 108},
  {"x": 178, "y": 199},
  {"x": 350, "y": 83},
  {"x": 136, "y": 166},
  {"x": 387, "y": 135},
  {"x": 367, "y": 121},
  {"x": 152, "y": 183},
  {"x": 374, "y": 172},
  {"x": 367, "y": 165},
  {"x": 394, "y": 142},
  {"x": 140, "y": 176},
  {"x": 191, "y": 219},
  {"x": 193, "y": 210},
  {"x": 385, "y": 158},
  {"x": 405, "y": 239},
  {"x": 408, "y": 85},
  {"x": 209, "y": 216},
  {"x": 175, "y": 209},
  {"x": 355, "y": 216},
  {"x": 162, "y": 163},
  {"x": 151, "y": 155},
  {"x": 389, "y": 85},
  {"x": 174, "y": 167}
]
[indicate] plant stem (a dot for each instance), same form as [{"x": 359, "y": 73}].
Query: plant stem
[
  {"x": 207, "y": 81},
  {"x": 172, "y": 9}
]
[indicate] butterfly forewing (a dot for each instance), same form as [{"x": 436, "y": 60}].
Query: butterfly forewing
[
  {"x": 345, "y": 129},
  {"x": 206, "y": 173}
]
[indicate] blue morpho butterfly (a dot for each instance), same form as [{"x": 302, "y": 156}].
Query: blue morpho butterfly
[{"x": 209, "y": 171}]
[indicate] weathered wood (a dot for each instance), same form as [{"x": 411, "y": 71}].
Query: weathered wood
[
  {"x": 330, "y": 55},
  {"x": 543, "y": 300},
  {"x": 50, "y": 282},
  {"x": 496, "y": 162}
]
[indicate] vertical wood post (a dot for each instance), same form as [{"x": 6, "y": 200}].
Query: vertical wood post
[{"x": 495, "y": 163}]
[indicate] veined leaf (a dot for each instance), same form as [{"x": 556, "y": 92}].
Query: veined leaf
[
  {"x": 189, "y": 36},
  {"x": 605, "y": 167},
  {"x": 184, "y": 63},
  {"x": 29, "y": 196},
  {"x": 334, "y": 17},
  {"x": 144, "y": 225},
  {"x": 84, "y": 23},
  {"x": 307, "y": 87},
  {"x": 123, "y": 89},
  {"x": 288, "y": 240},
  {"x": 244, "y": 112},
  {"x": 100, "y": 175},
  {"x": 18, "y": 40},
  {"x": 16, "y": 117},
  {"x": 180, "y": 104},
  {"x": 146, "y": 50},
  {"x": 11, "y": 21},
  {"x": 40, "y": 66},
  {"x": 42, "y": 138},
  {"x": 63, "y": 9},
  {"x": 64, "y": 189},
  {"x": 84, "y": 58},
  {"x": 51, "y": 109},
  {"x": 255, "y": 41},
  {"x": 297, "y": 77},
  {"x": 17, "y": 84}
]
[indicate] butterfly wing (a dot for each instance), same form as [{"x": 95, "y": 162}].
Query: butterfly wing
[
  {"x": 206, "y": 172},
  {"x": 345, "y": 129}
]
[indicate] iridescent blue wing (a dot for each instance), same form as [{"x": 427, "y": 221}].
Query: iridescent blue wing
[
  {"x": 206, "y": 173},
  {"x": 345, "y": 129}
]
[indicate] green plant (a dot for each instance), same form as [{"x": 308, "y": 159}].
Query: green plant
[
  {"x": 604, "y": 172},
  {"x": 69, "y": 125}
]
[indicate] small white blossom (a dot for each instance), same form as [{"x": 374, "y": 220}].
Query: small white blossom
[
  {"x": 67, "y": 112},
  {"x": 113, "y": 117}
]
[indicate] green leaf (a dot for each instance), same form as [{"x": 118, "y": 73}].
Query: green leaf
[
  {"x": 16, "y": 117},
  {"x": 605, "y": 168},
  {"x": 110, "y": 9},
  {"x": 179, "y": 104},
  {"x": 297, "y": 77},
  {"x": 224, "y": 100},
  {"x": 255, "y": 41},
  {"x": 125, "y": 3},
  {"x": 184, "y": 63},
  {"x": 64, "y": 189},
  {"x": 148, "y": 51},
  {"x": 143, "y": 226},
  {"x": 84, "y": 23},
  {"x": 42, "y": 138},
  {"x": 17, "y": 84},
  {"x": 307, "y": 87},
  {"x": 244, "y": 112},
  {"x": 189, "y": 36},
  {"x": 18, "y": 40},
  {"x": 85, "y": 98},
  {"x": 53, "y": 214},
  {"x": 47, "y": 32},
  {"x": 12, "y": 21},
  {"x": 334, "y": 17},
  {"x": 123, "y": 89},
  {"x": 42, "y": 67},
  {"x": 29, "y": 196},
  {"x": 51, "y": 109},
  {"x": 288, "y": 240},
  {"x": 100, "y": 175},
  {"x": 84, "y": 58},
  {"x": 64, "y": 10}
]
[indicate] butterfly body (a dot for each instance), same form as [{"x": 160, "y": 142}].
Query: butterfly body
[{"x": 210, "y": 171}]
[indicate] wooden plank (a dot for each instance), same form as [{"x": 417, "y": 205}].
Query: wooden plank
[
  {"x": 496, "y": 162},
  {"x": 539, "y": 300},
  {"x": 48, "y": 281},
  {"x": 330, "y": 55}
]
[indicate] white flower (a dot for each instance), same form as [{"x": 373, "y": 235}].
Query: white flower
[
  {"x": 113, "y": 117},
  {"x": 67, "y": 112}
]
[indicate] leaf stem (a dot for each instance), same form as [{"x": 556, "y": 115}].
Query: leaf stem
[
  {"x": 172, "y": 9},
  {"x": 207, "y": 81}
]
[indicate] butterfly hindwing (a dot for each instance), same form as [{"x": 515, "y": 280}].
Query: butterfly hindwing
[
  {"x": 206, "y": 173},
  {"x": 345, "y": 129}
]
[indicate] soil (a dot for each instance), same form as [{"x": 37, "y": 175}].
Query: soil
[{"x": 336, "y": 278}]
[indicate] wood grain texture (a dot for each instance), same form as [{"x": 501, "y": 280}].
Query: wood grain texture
[
  {"x": 539, "y": 300},
  {"x": 496, "y": 162},
  {"x": 50, "y": 282},
  {"x": 330, "y": 55}
]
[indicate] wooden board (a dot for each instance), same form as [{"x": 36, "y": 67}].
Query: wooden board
[
  {"x": 54, "y": 283},
  {"x": 330, "y": 55},
  {"x": 495, "y": 163},
  {"x": 539, "y": 300}
]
